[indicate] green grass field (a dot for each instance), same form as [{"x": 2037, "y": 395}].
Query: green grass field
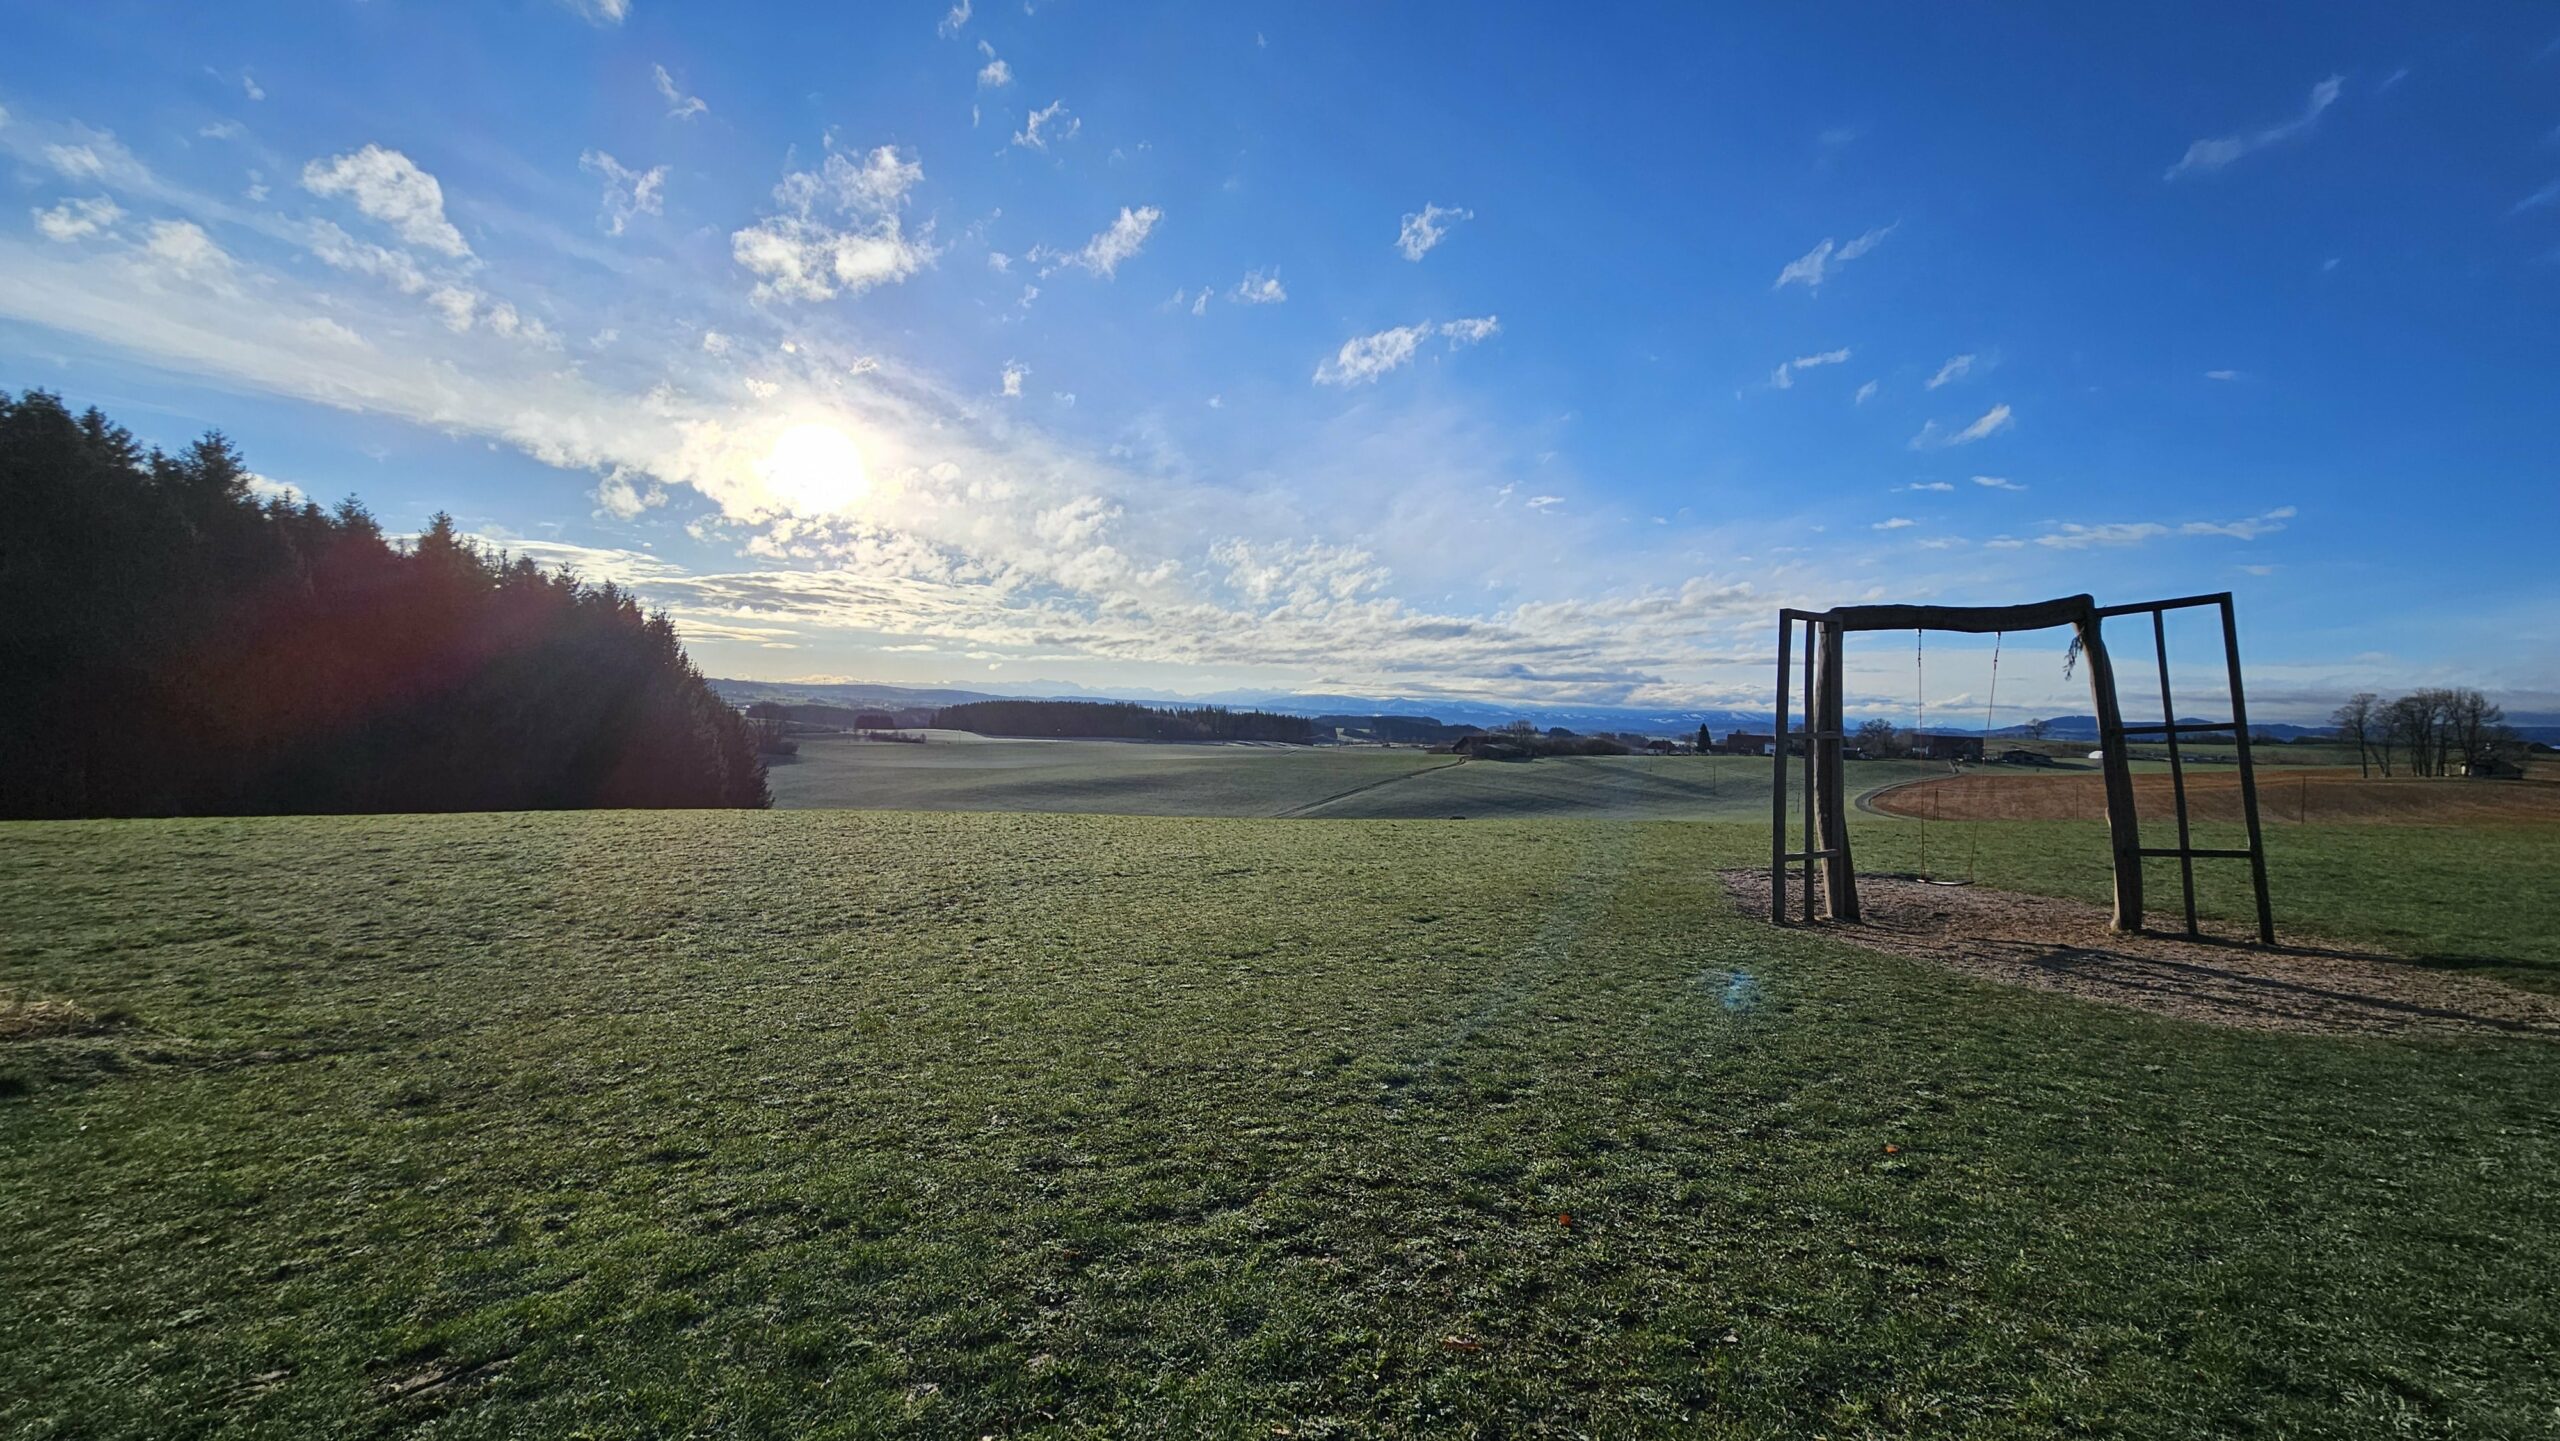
[{"x": 955, "y": 1125}]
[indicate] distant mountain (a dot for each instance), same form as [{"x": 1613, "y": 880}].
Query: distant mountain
[{"x": 913, "y": 702}]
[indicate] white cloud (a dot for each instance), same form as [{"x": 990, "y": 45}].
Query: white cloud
[
  {"x": 2222, "y": 375},
  {"x": 1426, "y": 228},
  {"x": 1035, "y": 126},
  {"x": 1543, "y": 502},
  {"x": 2211, "y": 155},
  {"x": 999, "y": 262},
  {"x": 601, "y": 12},
  {"x": 627, "y": 192},
  {"x": 2537, "y": 199},
  {"x": 1995, "y": 482},
  {"x": 388, "y": 187},
  {"x": 1956, "y": 368},
  {"x": 249, "y": 86},
  {"x": 1939, "y": 486},
  {"x": 1934, "y": 437},
  {"x": 267, "y": 487},
  {"x": 1899, "y": 522},
  {"x": 952, "y": 22},
  {"x": 183, "y": 247},
  {"x": 1866, "y": 392},
  {"x": 1363, "y": 358},
  {"x": 624, "y": 496},
  {"x": 78, "y": 219},
  {"x": 1784, "y": 377},
  {"x": 805, "y": 253},
  {"x": 1815, "y": 266},
  {"x": 994, "y": 75},
  {"x": 322, "y": 328},
  {"x": 1103, "y": 254},
  {"x": 680, "y": 106},
  {"x": 2069, "y": 535},
  {"x": 1259, "y": 289},
  {"x": 1014, "y": 372}
]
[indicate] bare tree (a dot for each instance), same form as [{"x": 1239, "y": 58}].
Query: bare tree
[
  {"x": 2355, "y": 722},
  {"x": 1876, "y": 740},
  {"x": 2473, "y": 722},
  {"x": 2038, "y": 728}
]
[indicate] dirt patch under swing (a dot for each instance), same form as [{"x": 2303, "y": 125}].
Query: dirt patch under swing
[{"x": 2061, "y": 945}]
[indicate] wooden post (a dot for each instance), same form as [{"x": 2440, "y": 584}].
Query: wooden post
[
  {"x": 2248, "y": 776},
  {"x": 2124, "y": 834},
  {"x": 2177, "y": 767},
  {"x": 1812, "y": 727},
  {"x": 1839, "y": 874},
  {"x": 1778, "y": 781}
]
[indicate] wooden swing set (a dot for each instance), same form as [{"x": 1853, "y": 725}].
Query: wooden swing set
[{"x": 1826, "y": 812}]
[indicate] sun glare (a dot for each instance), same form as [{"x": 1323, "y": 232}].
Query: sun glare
[{"x": 815, "y": 469}]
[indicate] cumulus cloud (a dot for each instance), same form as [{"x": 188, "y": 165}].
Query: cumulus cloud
[
  {"x": 680, "y": 106},
  {"x": 2211, "y": 155},
  {"x": 1784, "y": 378},
  {"x": 1259, "y": 289},
  {"x": 1014, "y": 374},
  {"x": 1933, "y": 436},
  {"x": 839, "y": 230},
  {"x": 994, "y": 75},
  {"x": 182, "y": 247},
  {"x": 1103, "y": 254},
  {"x": 1041, "y": 126},
  {"x": 1956, "y": 368},
  {"x": 1426, "y": 228},
  {"x": 627, "y": 192},
  {"x": 1364, "y": 358},
  {"x": 78, "y": 219},
  {"x": 389, "y": 188},
  {"x": 1813, "y": 267}
]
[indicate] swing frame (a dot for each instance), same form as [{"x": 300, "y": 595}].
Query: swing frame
[{"x": 1826, "y": 812}]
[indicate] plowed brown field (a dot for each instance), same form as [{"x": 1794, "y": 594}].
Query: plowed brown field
[{"x": 2321, "y": 796}]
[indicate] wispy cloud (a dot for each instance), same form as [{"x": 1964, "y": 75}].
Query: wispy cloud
[
  {"x": 952, "y": 22},
  {"x": 1041, "y": 126},
  {"x": 1812, "y": 268},
  {"x": 78, "y": 219},
  {"x": 1258, "y": 288},
  {"x": 1933, "y": 436},
  {"x": 1426, "y": 228},
  {"x": 1784, "y": 378},
  {"x": 1997, "y": 482},
  {"x": 1363, "y": 358},
  {"x": 995, "y": 74},
  {"x": 601, "y": 12},
  {"x": 627, "y": 192},
  {"x": 2210, "y": 155},
  {"x": 1012, "y": 378},
  {"x": 1956, "y": 368},
  {"x": 1866, "y": 393},
  {"x": 680, "y": 106},
  {"x": 2538, "y": 199},
  {"x": 1103, "y": 254},
  {"x": 1939, "y": 486},
  {"x": 1899, "y": 522},
  {"x": 2068, "y": 535},
  {"x": 2222, "y": 375}
]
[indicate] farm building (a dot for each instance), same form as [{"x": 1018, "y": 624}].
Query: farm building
[{"x": 1946, "y": 747}]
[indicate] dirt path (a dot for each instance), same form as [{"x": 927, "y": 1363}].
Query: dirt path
[
  {"x": 1310, "y": 807},
  {"x": 2059, "y": 945}
]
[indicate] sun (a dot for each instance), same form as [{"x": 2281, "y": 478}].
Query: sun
[{"x": 815, "y": 469}]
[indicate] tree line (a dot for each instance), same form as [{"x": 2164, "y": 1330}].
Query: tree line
[
  {"x": 177, "y": 646},
  {"x": 1122, "y": 720},
  {"x": 2434, "y": 731}
]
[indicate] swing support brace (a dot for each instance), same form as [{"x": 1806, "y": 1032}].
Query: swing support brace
[{"x": 1826, "y": 829}]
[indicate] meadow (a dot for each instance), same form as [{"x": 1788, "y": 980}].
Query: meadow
[{"x": 896, "y": 1123}]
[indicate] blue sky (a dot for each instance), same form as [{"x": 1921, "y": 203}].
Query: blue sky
[{"x": 1524, "y": 353}]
